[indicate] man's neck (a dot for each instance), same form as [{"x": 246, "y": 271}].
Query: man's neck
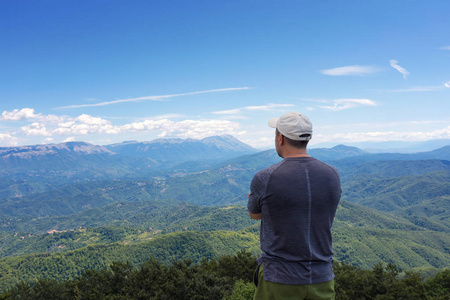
[{"x": 296, "y": 153}]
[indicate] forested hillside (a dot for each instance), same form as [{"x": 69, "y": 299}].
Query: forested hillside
[
  {"x": 360, "y": 238},
  {"x": 228, "y": 277},
  {"x": 164, "y": 248},
  {"x": 61, "y": 222}
]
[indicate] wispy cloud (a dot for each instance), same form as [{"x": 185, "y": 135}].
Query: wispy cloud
[
  {"x": 396, "y": 66},
  {"x": 432, "y": 88},
  {"x": 151, "y": 98},
  {"x": 268, "y": 107},
  {"x": 341, "y": 104},
  {"x": 420, "y": 89},
  {"x": 167, "y": 116},
  {"x": 228, "y": 112},
  {"x": 445, "y": 48},
  {"x": 350, "y": 70}
]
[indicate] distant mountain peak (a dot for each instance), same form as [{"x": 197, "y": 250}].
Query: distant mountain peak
[
  {"x": 219, "y": 140},
  {"x": 226, "y": 141},
  {"x": 167, "y": 141},
  {"x": 337, "y": 152},
  {"x": 348, "y": 149},
  {"x": 176, "y": 149},
  {"x": 27, "y": 152}
]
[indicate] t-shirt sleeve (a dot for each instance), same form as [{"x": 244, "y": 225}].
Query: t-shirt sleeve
[{"x": 257, "y": 189}]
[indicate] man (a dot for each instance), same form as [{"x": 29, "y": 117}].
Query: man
[{"x": 296, "y": 200}]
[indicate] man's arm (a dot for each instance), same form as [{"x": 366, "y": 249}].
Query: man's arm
[{"x": 255, "y": 216}]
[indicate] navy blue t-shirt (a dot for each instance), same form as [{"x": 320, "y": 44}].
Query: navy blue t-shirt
[{"x": 298, "y": 198}]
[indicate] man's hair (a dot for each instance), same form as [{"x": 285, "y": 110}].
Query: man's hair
[{"x": 293, "y": 143}]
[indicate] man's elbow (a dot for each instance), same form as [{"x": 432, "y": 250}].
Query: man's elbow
[{"x": 255, "y": 216}]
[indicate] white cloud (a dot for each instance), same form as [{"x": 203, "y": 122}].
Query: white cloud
[
  {"x": 84, "y": 129},
  {"x": 35, "y": 129},
  {"x": 447, "y": 84},
  {"x": 341, "y": 104},
  {"x": 199, "y": 129},
  {"x": 382, "y": 136},
  {"x": 86, "y": 124},
  {"x": 395, "y": 65},
  {"x": 8, "y": 139},
  {"x": 16, "y": 114},
  {"x": 268, "y": 107},
  {"x": 69, "y": 139},
  {"x": 152, "y": 98},
  {"x": 146, "y": 125},
  {"x": 83, "y": 125},
  {"x": 48, "y": 141},
  {"x": 350, "y": 70},
  {"x": 185, "y": 129},
  {"x": 29, "y": 113},
  {"x": 445, "y": 48},
  {"x": 90, "y": 120},
  {"x": 51, "y": 118}
]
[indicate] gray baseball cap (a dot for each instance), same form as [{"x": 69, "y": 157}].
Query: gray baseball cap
[{"x": 293, "y": 125}]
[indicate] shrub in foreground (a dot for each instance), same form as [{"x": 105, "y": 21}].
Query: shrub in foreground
[{"x": 228, "y": 278}]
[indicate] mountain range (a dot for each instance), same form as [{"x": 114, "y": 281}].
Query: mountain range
[
  {"x": 181, "y": 150},
  {"x": 81, "y": 200},
  {"x": 395, "y": 146}
]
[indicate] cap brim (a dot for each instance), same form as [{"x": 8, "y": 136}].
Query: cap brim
[{"x": 273, "y": 122}]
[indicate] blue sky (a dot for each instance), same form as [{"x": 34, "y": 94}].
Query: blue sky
[{"x": 110, "y": 71}]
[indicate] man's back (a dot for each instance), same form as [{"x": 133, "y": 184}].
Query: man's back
[{"x": 298, "y": 198}]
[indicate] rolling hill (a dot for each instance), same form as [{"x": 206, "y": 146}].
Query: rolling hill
[
  {"x": 103, "y": 206},
  {"x": 360, "y": 237}
]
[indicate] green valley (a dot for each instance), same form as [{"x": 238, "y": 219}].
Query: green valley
[{"x": 394, "y": 209}]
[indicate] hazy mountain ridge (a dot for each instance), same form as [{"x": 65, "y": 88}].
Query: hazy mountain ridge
[
  {"x": 65, "y": 159},
  {"x": 395, "y": 146},
  {"x": 144, "y": 158},
  {"x": 39, "y": 150},
  {"x": 223, "y": 185},
  {"x": 390, "y": 168},
  {"x": 441, "y": 153},
  {"x": 72, "y": 161},
  {"x": 181, "y": 150}
]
